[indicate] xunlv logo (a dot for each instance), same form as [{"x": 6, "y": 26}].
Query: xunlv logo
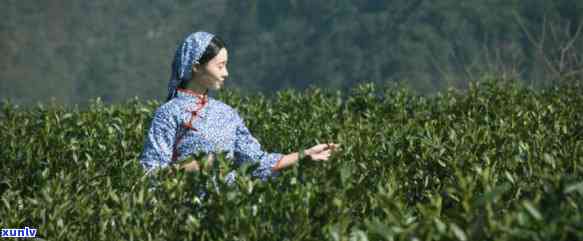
[{"x": 19, "y": 232}]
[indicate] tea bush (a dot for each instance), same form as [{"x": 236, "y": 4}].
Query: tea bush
[{"x": 495, "y": 162}]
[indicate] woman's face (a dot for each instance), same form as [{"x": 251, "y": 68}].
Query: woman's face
[{"x": 213, "y": 74}]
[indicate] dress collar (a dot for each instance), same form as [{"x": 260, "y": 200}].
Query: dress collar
[{"x": 189, "y": 93}]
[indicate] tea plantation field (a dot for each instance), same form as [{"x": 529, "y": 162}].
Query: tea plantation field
[{"x": 498, "y": 161}]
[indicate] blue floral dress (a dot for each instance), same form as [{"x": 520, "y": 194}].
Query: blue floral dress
[{"x": 191, "y": 123}]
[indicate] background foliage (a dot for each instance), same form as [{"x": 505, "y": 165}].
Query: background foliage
[
  {"x": 76, "y": 50},
  {"x": 497, "y": 162}
]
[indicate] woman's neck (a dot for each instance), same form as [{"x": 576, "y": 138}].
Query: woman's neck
[{"x": 196, "y": 88}]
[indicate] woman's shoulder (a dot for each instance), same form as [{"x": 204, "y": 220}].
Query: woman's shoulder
[
  {"x": 169, "y": 106},
  {"x": 170, "y": 109},
  {"x": 222, "y": 106},
  {"x": 176, "y": 108}
]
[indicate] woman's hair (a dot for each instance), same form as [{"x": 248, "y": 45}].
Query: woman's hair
[{"x": 210, "y": 52}]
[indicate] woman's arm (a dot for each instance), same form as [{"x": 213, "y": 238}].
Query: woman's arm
[
  {"x": 157, "y": 151},
  {"x": 247, "y": 148},
  {"x": 319, "y": 152}
]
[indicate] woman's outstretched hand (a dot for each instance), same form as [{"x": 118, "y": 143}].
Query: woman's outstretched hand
[
  {"x": 321, "y": 152},
  {"x": 194, "y": 165}
]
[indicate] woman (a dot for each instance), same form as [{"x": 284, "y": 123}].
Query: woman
[{"x": 190, "y": 122}]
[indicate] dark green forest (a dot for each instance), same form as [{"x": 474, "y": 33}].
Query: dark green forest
[{"x": 72, "y": 51}]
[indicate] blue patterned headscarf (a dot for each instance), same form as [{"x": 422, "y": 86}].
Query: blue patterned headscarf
[{"x": 188, "y": 53}]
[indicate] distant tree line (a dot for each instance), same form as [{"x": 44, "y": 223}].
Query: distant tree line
[{"x": 77, "y": 50}]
